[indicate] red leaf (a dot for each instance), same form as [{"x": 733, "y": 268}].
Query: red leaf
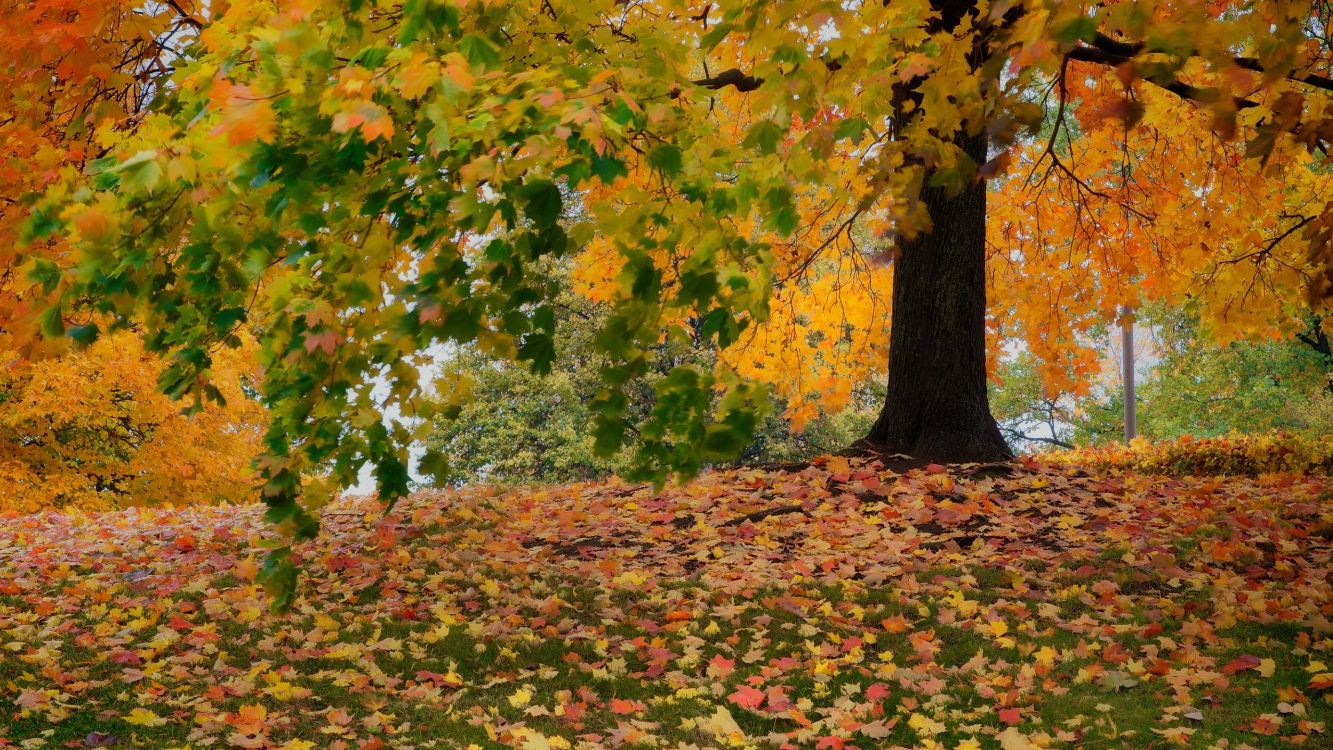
[
  {"x": 625, "y": 707},
  {"x": 747, "y": 697},
  {"x": 1241, "y": 663}
]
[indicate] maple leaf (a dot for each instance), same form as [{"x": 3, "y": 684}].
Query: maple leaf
[
  {"x": 747, "y": 697},
  {"x": 722, "y": 726},
  {"x": 1242, "y": 663},
  {"x": 720, "y": 667},
  {"x": 520, "y": 697},
  {"x": 625, "y": 707},
  {"x": 143, "y": 717}
]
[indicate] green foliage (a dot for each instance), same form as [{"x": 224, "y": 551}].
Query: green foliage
[
  {"x": 1188, "y": 387},
  {"x": 1203, "y": 390},
  {"x": 501, "y": 422},
  {"x": 1028, "y": 418}
]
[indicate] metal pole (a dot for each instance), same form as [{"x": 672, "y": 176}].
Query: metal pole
[{"x": 1127, "y": 356}]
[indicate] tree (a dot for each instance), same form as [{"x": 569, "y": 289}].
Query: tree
[
  {"x": 89, "y": 429},
  {"x": 1199, "y": 389},
  {"x": 1029, "y": 416},
  {"x": 369, "y": 180},
  {"x": 1191, "y": 387},
  {"x": 499, "y": 422},
  {"x": 85, "y": 428}
]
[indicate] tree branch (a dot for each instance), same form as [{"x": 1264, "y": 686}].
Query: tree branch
[
  {"x": 734, "y": 77},
  {"x": 1130, "y": 49},
  {"x": 185, "y": 15},
  {"x": 1175, "y": 86}
]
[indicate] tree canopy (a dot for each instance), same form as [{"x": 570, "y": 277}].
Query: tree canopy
[{"x": 358, "y": 181}]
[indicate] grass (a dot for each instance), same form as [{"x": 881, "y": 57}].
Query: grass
[{"x": 459, "y": 621}]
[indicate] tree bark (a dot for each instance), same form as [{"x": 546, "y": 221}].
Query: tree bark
[{"x": 936, "y": 408}]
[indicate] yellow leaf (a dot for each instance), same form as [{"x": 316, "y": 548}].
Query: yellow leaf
[
  {"x": 520, "y": 698},
  {"x": 1045, "y": 656},
  {"x": 1012, "y": 739},
  {"x": 144, "y": 718},
  {"x": 1266, "y": 667}
]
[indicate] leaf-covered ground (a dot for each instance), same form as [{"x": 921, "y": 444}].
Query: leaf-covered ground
[{"x": 840, "y": 606}]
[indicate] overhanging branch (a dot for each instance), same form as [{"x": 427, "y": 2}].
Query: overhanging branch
[
  {"x": 734, "y": 77},
  {"x": 1174, "y": 85},
  {"x": 1126, "y": 50}
]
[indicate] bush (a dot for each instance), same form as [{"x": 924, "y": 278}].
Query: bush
[{"x": 1233, "y": 454}]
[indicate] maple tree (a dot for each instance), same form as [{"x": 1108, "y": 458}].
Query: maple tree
[
  {"x": 86, "y": 428},
  {"x": 364, "y": 180},
  {"x": 91, "y": 430}
]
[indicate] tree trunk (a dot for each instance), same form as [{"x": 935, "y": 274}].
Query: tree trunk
[{"x": 937, "y": 408}]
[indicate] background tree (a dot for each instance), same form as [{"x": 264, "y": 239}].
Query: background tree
[
  {"x": 90, "y": 429},
  {"x": 499, "y": 422},
  {"x": 1189, "y": 386},
  {"x": 1198, "y": 389},
  {"x": 1029, "y": 416}
]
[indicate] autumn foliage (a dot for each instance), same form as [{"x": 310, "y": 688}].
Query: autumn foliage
[
  {"x": 91, "y": 430},
  {"x": 1230, "y": 455},
  {"x": 360, "y": 183},
  {"x": 835, "y": 606},
  {"x": 76, "y": 77}
]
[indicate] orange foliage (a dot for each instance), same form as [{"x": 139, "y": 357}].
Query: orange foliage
[
  {"x": 75, "y": 74},
  {"x": 1167, "y": 210},
  {"x": 90, "y": 429}
]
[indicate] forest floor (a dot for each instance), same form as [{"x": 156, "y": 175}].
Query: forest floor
[{"x": 839, "y": 606}]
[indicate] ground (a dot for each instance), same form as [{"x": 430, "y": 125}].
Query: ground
[{"x": 835, "y": 606}]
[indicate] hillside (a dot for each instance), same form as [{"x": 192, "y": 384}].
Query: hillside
[{"x": 834, "y": 606}]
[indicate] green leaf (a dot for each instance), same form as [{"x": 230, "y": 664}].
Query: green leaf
[
  {"x": 44, "y": 272},
  {"x": 371, "y": 57},
  {"x": 52, "y": 322},
  {"x": 607, "y": 168},
  {"x": 666, "y": 159},
  {"x": 539, "y": 349},
  {"x": 83, "y": 335},
  {"x": 782, "y": 214},
  {"x": 1083, "y": 28},
  {"x": 278, "y": 577},
  {"x": 391, "y": 478},
  {"x": 766, "y": 135},
  {"x": 479, "y": 51},
  {"x": 851, "y": 128},
  {"x": 541, "y": 202},
  {"x": 715, "y": 35},
  {"x": 434, "y": 464},
  {"x": 139, "y": 173}
]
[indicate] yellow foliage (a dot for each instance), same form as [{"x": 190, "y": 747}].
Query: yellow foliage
[
  {"x": 1233, "y": 454},
  {"x": 89, "y": 429}
]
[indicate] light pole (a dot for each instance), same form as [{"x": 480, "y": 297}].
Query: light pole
[{"x": 1127, "y": 358}]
